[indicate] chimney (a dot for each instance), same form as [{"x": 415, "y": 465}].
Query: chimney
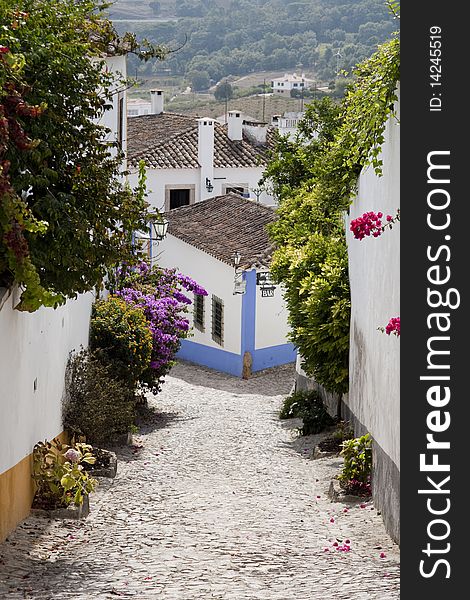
[
  {"x": 256, "y": 132},
  {"x": 205, "y": 156},
  {"x": 156, "y": 102},
  {"x": 235, "y": 125}
]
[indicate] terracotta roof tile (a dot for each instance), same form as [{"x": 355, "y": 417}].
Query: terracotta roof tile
[
  {"x": 223, "y": 225},
  {"x": 169, "y": 141}
]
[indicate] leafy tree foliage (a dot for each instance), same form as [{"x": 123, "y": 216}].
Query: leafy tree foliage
[
  {"x": 315, "y": 178},
  {"x": 199, "y": 80},
  {"x": 223, "y": 91},
  {"x": 235, "y": 38},
  {"x": 65, "y": 215}
]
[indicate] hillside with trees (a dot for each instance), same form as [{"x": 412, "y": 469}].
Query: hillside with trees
[{"x": 218, "y": 38}]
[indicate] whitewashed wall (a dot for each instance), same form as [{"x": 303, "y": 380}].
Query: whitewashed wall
[
  {"x": 33, "y": 354},
  {"x": 217, "y": 278},
  {"x": 250, "y": 176},
  {"x": 271, "y": 320},
  {"x": 375, "y": 293},
  {"x": 157, "y": 179},
  {"x": 110, "y": 119}
]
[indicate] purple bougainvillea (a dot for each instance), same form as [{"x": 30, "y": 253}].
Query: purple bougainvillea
[{"x": 160, "y": 294}]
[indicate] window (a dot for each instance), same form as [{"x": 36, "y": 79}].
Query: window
[
  {"x": 234, "y": 190},
  {"x": 242, "y": 189},
  {"x": 179, "y": 198},
  {"x": 120, "y": 124},
  {"x": 177, "y": 195},
  {"x": 199, "y": 312},
  {"x": 217, "y": 320}
]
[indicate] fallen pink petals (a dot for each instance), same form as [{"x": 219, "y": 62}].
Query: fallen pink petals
[{"x": 383, "y": 555}]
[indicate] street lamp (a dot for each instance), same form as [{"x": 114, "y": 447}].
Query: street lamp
[
  {"x": 239, "y": 284},
  {"x": 209, "y": 186},
  {"x": 158, "y": 226}
]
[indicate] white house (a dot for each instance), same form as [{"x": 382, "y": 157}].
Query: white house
[
  {"x": 241, "y": 326},
  {"x": 287, "y": 123},
  {"x": 189, "y": 159},
  {"x": 137, "y": 107},
  {"x": 34, "y": 349},
  {"x": 284, "y": 85}
]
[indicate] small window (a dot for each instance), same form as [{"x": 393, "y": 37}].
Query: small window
[
  {"x": 235, "y": 190},
  {"x": 120, "y": 124},
  {"x": 179, "y": 197},
  {"x": 199, "y": 312},
  {"x": 217, "y": 320}
]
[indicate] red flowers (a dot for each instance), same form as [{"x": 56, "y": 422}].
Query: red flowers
[
  {"x": 4, "y": 49},
  {"x": 393, "y": 326},
  {"x": 370, "y": 224}
]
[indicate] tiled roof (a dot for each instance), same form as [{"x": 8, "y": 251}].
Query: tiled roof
[
  {"x": 223, "y": 225},
  {"x": 169, "y": 141}
]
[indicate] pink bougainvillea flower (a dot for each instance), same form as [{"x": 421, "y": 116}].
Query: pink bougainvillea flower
[
  {"x": 332, "y": 520},
  {"x": 370, "y": 224},
  {"x": 326, "y": 549},
  {"x": 345, "y": 510},
  {"x": 347, "y": 541},
  {"x": 393, "y": 326},
  {"x": 383, "y": 555},
  {"x": 362, "y": 506},
  {"x": 335, "y": 544},
  {"x": 4, "y": 49}
]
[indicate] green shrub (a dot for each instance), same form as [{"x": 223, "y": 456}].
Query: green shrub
[
  {"x": 357, "y": 455},
  {"x": 343, "y": 431},
  {"x": 310, "y": 408},
  {"x": 96, "y": 404},
  {"x": 120, "y": 335}
]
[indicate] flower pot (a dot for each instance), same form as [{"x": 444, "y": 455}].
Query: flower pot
[{"x": 68, "y": 512}]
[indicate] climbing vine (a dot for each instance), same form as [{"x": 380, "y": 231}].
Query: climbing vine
[{"x": 315, "y": 179}]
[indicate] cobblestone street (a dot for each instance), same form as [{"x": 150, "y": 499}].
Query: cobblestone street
[{"x": 216, "y": 499}]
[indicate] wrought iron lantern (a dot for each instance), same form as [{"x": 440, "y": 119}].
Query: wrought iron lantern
[
  {"x": 209, "y": 186},
  {"x": 158, "y": 226}
]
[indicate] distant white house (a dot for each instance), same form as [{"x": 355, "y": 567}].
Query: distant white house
[
  {"x": 241, "y": 326},
  {"x": 287, "y": 123},
  {"x": 136, "y": 107},
  {"x": 284, "y": 85},
  {"x": 189, "y": 159}
]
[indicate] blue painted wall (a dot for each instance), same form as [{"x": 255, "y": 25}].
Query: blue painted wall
[
  {"x": 214, "y": 358},
  {"x": 228, "y": 362}
]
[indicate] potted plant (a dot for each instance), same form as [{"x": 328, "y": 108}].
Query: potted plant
[{"x": 62, "y": 483}]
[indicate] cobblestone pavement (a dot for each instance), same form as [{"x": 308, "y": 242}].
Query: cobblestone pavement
[{"x": 217, "y": 499}]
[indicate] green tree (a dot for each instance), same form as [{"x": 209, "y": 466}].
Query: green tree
[
  {"x": 199, "y": 80},
  {"x": 315, "y": 178},
  {"x": 74, "y": 216},
  {"x": 223, "y": 91}
]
